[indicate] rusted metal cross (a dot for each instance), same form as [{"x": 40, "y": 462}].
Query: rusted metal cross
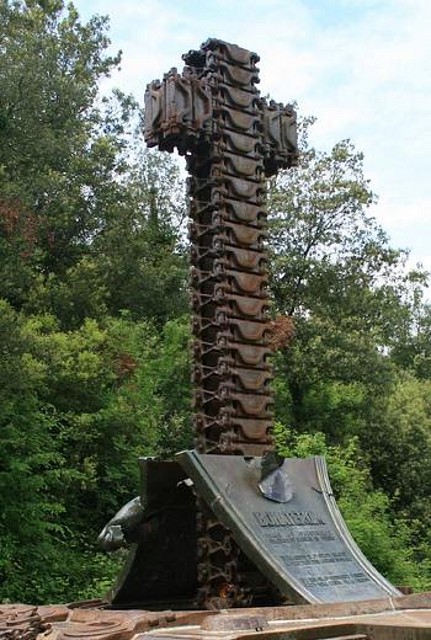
[{"x": 232, "y": 138}]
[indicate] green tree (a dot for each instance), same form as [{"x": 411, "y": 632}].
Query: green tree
[
  {"x": 411, "y": 345},
  {"x": 140, "y": 253},
  {"x": 359, "y": 319},
  {"x": 77, "y": 409},
  {"x": 77, "y": 402},
  {"x": 28, "y": 460},
  {"x": 397, "y": 440},
  {"x": 50, "y": 145},
  {"x": 90, "y": 224},
  {"x": 334, "y": 271}
]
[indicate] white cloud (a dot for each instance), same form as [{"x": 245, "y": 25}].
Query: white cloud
[{"x": 404, "y": 214}]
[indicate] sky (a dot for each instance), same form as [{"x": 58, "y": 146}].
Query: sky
[{"x": 361, "y": 67}]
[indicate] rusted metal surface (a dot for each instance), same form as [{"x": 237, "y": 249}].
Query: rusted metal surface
[
  {"x": 26, "y": 622},
  {"x": 385, "y": 619},
  {"x": 232, "y": 139},
  {"x": 20, "y": 621}
]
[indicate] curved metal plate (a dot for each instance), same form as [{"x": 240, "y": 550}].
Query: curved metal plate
[{"x": 302, "y": 546}]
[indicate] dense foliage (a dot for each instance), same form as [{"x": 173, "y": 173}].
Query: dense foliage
[{"x": 94, "y": 322}]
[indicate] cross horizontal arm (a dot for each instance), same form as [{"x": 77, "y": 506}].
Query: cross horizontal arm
[
  {"x": 182, "y": 109},
  {"x": 177, "y": 112}
]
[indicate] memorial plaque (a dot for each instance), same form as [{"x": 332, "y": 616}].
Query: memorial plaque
[{"x": 302, "y": 544}]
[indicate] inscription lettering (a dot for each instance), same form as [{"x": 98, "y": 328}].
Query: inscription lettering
[
  {"x": 310, "y": 559},
  {"x": 302, "y": 545},
  {"x": 275, "y": 536},
  {"x": 287, "y": 518},
  {"x": 330, "y": 581}
]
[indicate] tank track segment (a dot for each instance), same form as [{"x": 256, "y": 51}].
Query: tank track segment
[{"x": 232, "y": 139}]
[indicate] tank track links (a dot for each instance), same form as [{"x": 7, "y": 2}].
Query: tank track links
[
  {"x": 231, "y": 375},
  {"x": 232, "y": 398}
]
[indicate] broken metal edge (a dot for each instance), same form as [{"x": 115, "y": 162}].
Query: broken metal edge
[{"x": 339, "y": 523}]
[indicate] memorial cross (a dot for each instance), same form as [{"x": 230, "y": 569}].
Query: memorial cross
[
  {"x": 232, "y": 139},
  {"x": 247, "y": 532}
]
